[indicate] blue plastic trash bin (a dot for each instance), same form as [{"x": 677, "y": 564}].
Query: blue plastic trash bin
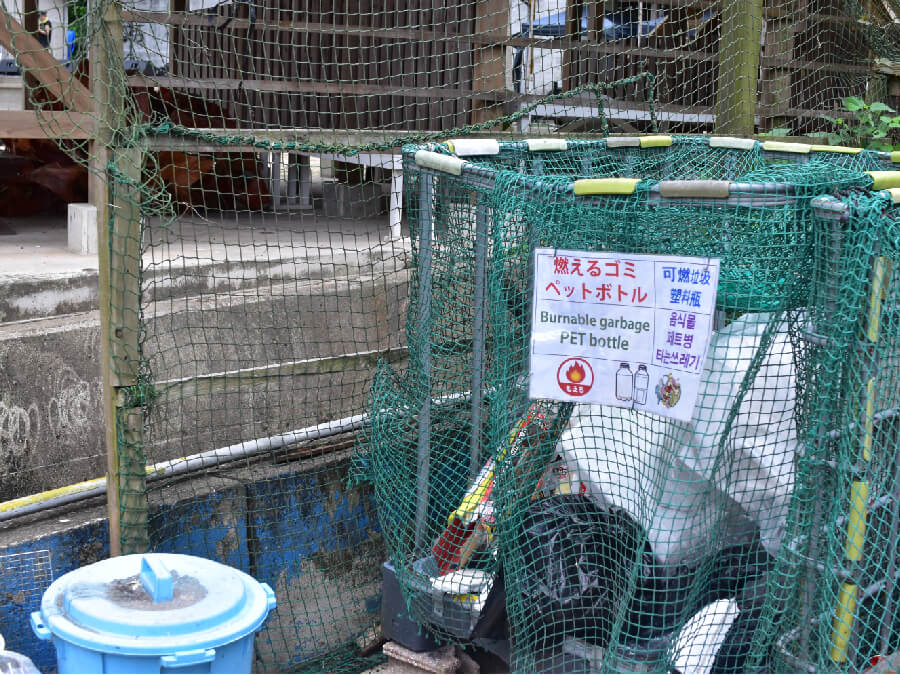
[{"x": 153, "y": 613}]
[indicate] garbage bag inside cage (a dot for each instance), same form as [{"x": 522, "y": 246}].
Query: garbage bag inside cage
[
  {"x": 578, "y": 562},
  {"x": 699, "y": 486},
  {"x": 588, "y": 569}
]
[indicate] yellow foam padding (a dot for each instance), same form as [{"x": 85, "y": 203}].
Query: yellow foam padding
[
  {"x": 894, "y": 194},
  {"x": 445, "y": 163},
  {"x": 844, "y": 615},
  {"x": 895, "y": 156},
  {"x": 883, "y": 180},
  {"x": 881, "y": 277},
  {"x": 623, "y": 142},
  {"x": 731, "y": 142},
  {"x": 547, "y": 144},
  {"x": 835, "y": 148},
  {"x": 465, "y": 147},
  {"x": 655, "y": 141},
  {"x": 780, "y": 146},
  {"x": 869, "y": 426},
  {"x": 710, "y": 189},
  {"x": 606, "y": 186},
  {"x": 856, "y": 519}
]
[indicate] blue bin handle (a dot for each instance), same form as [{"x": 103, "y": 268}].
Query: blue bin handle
[
  {"x": 270, "y": 597},
  {"x": 37, "y": 625},
  {"x": 156, "y": 579},
  {"x": 187, "y": 658}
]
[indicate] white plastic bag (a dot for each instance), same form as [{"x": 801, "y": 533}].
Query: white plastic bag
[{"x": 672, "y": 478}]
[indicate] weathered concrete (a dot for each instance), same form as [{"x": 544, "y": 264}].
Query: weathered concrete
[
  {"x": 24, "y": 298},
  {"x": 245, "y": 299},
  {"x": 51, "y": 427},
  {"x": 12, "y": 92},
  {"x": 82, "y": 229}
]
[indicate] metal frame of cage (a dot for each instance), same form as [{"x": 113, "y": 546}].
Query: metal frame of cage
[
  {"x": 843, "y": 620},
  {"x": 434, "y": 165},
  {"x": 435, "y": 161}
]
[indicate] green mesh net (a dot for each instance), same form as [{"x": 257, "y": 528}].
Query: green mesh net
[
  {"x": 255, "y": 265},
  {"x": 838, "y": 573},
  {"x": 621, "y": 540}
]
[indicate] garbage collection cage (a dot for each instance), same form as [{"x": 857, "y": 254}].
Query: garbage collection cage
[
  {"x": 842, "y": 551},
  {"x": 613, "y": 538}
]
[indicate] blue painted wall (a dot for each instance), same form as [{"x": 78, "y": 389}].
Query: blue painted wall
[{"x": 316, "y": 543}]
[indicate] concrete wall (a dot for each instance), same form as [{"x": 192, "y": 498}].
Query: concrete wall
[
  {"x": 296, "y": 527},
  {"x": 12, "y": 92},
  {"x": 205, "y": 319},
  {"x": 51, "y": 425}
]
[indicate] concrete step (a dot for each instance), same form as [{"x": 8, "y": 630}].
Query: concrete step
[{"x": 40, "y": 277}]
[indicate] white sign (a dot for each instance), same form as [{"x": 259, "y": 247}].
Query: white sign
[{"x": 621, "y": 329}]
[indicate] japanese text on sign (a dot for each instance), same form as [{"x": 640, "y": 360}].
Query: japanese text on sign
[{"x": 621, "y": 329}]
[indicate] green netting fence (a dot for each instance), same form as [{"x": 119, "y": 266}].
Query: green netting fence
[
  {"x": 625, "y": 540},
  {"x": 259, "y": 246}
]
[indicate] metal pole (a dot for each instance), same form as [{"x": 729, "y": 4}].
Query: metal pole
[
  {"x": 51, "y": 499},
  {"x": 845, "y": 610},
  {"x": 423, "y": 332},
  {"x": 478, "y": 336},
  {"x": 829, "y": 283},
  {"x": 887, "y": 622},
  {"x": 176, "y": 467}
]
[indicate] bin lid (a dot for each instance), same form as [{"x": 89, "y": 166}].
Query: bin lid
[{"x": 156, "y": 603}]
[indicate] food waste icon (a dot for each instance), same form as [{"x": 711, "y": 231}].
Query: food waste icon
[
  {"x": 668, "y": 391},
  {"x": 575, "y": 377}
]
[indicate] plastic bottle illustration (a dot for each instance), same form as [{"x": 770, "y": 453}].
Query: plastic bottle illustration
[
  {"x": 641, "y": 384},
  {"x": 624, "y": 382}
]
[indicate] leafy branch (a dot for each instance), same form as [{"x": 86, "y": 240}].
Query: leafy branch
[{"x": 875, "y": 126}]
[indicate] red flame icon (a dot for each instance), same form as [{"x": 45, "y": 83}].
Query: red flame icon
[
  {"x": 575, "y": 373},
  {"x": 575, "y": 377}
]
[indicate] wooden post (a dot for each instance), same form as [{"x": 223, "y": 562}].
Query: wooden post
[
  {"x": 124, "y": 320},
  {"x": 175, "y": 36},
  {"x": 738, "y": 67},
  {"x": 118, "y": 236},
  {"x": 570, "y": 56},
  {"x": 489, "y": 74}
]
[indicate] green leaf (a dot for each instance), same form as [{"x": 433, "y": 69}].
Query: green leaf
[
  {"x": 879, "y": 133},
  {"x": 887, "y": 119},
  {"x": 878, "y": 106},
  {"x": 854, "y": 103}
]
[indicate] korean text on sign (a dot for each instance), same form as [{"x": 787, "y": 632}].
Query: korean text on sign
[{"x": 629, "y": 330}]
